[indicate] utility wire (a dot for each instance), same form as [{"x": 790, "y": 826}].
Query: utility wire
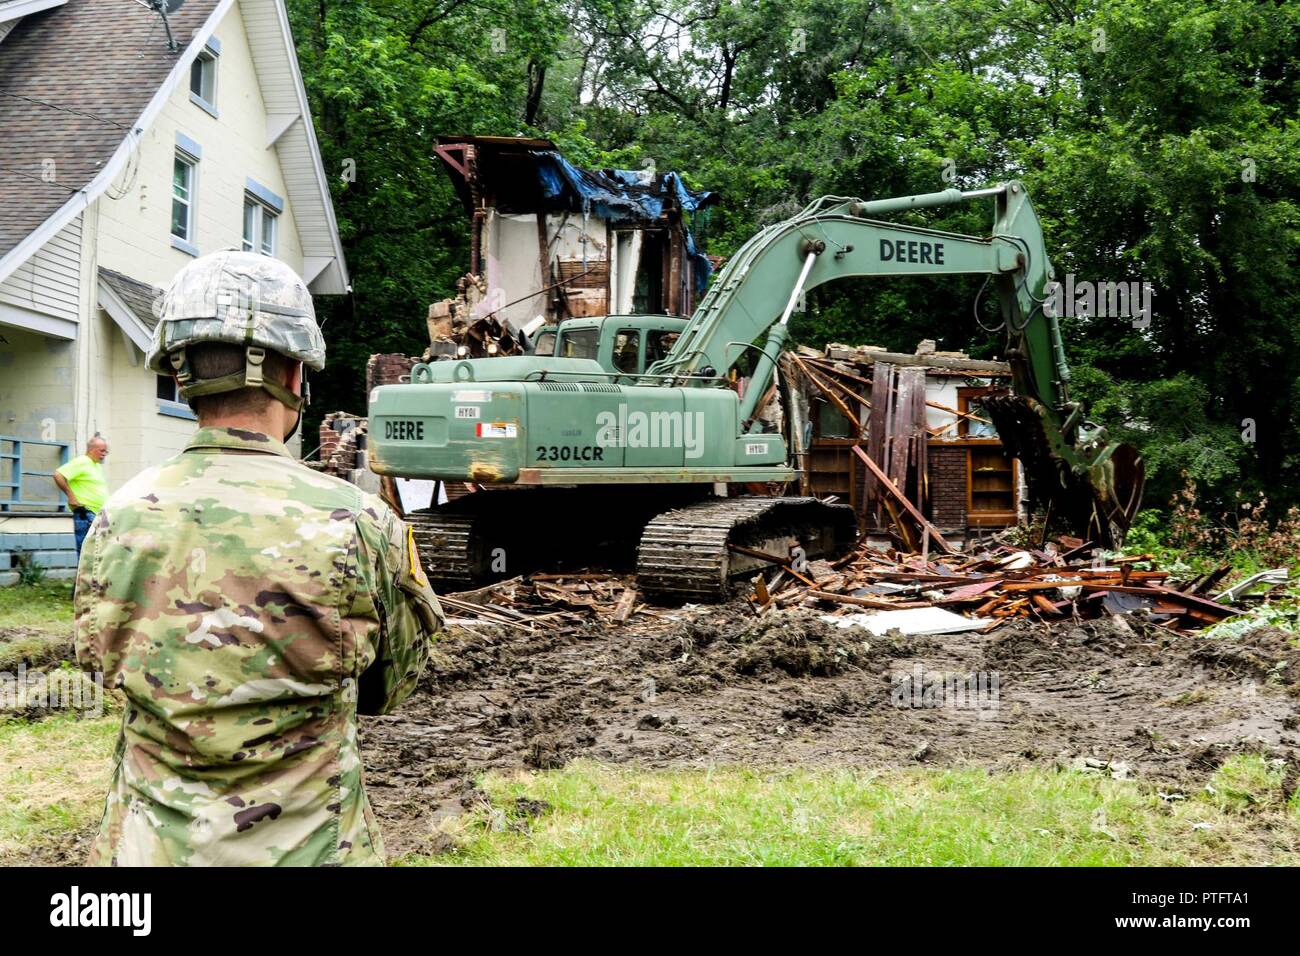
[
  {"x": 64, "y": 109},
  {"x": 38, "y": 179}
]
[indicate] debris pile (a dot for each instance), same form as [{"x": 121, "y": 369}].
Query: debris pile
[
  {"x": 981, "y": 591},
  {"x": 466, "y": 325},
  {"x": 548, "y": 601}
]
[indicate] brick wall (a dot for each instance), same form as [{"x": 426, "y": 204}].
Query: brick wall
[
  {"x": 387, "y": 369},
  {"x": 339, "y": 434},
  {"x": 947, "y": 486}
]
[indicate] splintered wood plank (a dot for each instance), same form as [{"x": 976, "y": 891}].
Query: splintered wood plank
[
  {"x": 1044, "y": 605},
  {"x": 910, "y": 508},
  {"x": 626, "y": 603}
]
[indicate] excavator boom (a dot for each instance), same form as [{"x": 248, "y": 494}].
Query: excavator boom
[{"x": 1073, "y": 471}]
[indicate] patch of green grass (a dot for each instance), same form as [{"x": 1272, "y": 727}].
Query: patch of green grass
[
  {"x": 54, "y": 774},
  {"x": 46, "y": 606},
  {"x": 36, "y": 650},
  {"x": 1250, "y": 784},
  {"x": 602, "y": 815}
]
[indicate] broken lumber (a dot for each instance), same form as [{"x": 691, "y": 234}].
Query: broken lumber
[{"x": 898, "y": 496}]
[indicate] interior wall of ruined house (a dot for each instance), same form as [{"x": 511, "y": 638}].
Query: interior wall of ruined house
[
  {"x": 513, "y": 267},
  {"x": 829, "y": 463},
  {"x": 578, "y": 248}
]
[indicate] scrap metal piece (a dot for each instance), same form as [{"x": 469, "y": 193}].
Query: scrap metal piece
[{"x": 1272, "y": 578}]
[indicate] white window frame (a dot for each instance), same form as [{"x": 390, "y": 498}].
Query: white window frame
[
  {"x": 264, "y": 218},
  {"x": 209, "y": 57},
  {"x": 191, "y": 194}
]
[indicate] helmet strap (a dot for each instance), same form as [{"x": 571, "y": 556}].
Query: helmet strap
[
  {"x": 254, "y": 356},
  {"x": 304, "y": 401},
  {"x": 250, "y": 377},
  {"x": 180, "y": 367}
]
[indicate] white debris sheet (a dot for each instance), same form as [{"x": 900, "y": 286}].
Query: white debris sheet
[{"x": 918, "y": 620}]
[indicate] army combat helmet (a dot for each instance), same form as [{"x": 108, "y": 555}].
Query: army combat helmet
[{"x": 241, "y": 298}]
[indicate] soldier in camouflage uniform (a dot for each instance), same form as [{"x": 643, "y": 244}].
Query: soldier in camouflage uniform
[{"x": 247, "y": 607}]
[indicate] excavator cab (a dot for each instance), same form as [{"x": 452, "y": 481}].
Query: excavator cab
[
  {"x": 627, "y": 344},
  {"x": 544, "y": 343}
]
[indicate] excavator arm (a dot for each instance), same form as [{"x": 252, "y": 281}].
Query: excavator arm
[{"x": 1072, "y": 469}]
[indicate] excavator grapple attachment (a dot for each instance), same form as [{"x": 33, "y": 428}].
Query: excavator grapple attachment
[{"x": 1090, "y": 487}]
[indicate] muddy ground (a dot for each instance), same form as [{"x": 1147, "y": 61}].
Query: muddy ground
[
  {"x": 721, "y": 686},
  {"x": 700, "y": 686}
]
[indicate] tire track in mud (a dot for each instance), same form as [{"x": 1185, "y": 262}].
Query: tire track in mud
[{"x": 720, "y": 686}]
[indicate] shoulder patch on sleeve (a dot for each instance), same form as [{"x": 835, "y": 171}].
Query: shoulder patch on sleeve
[{"x": 413, "y": 559}]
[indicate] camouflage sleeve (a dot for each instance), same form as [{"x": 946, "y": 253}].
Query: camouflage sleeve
[
  {"x": 90, "y": 648},
  {"x": 410, "y": 616}
]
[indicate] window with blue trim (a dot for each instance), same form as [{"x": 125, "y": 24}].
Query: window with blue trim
[
  {"x": 170, "y": 402},
  {"x": 183, "y": 176},
  {"x": 260, "y": 222}
]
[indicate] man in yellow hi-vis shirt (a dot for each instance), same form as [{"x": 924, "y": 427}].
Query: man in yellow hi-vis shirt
[{"x": 82, "y": 480}]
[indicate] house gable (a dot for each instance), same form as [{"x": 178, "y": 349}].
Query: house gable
[
  {"x": 226, "y": 142},
  {"x": 83, "y": 117}
]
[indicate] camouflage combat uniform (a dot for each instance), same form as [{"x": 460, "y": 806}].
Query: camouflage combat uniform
[{"x": 248, "y": 608}]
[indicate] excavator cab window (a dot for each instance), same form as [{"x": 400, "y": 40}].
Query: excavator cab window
[
  {"x": 658, "y": 343},
  {"x": 627, "y": 350},
  {"x": 580, "y": 343},
  {"x": 545, "y": 343}
]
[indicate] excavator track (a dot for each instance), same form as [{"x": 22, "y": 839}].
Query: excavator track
[
  {"x": 681, "y": 553},
  {"x": 446, "y": 542},
  {"x": 487, "y": 536},
  {"x": 684, "y": 554}
]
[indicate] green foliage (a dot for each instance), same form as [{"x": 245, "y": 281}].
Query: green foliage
[
  {"x": 1280, "y": 612},
  {"x": 29, "y": 572},
  {"x": 1172, "y": 421},
  {"x": 1146, "y": 536},
  {"x": 1159, "y": 139}
]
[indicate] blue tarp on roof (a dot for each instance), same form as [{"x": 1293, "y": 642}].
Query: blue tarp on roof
[{"x": 624, "y": 195}]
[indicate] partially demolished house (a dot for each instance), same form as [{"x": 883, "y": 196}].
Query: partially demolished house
[
  {"x": 917, "y": 416},
  {"x": 552, "y": 241}
]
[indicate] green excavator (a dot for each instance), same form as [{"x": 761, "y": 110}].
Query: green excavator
[{"x": 625, "y": 435}]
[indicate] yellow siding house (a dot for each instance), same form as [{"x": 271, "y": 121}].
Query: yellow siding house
[{"x": 123, "y": 155}]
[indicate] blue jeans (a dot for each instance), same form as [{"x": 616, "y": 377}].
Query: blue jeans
[{"x": 81, "y": 525}]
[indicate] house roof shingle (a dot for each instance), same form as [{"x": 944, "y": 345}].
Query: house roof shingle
[
  {"x": 73, "y": 81},
  {"x": 138, "y": 296}
]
